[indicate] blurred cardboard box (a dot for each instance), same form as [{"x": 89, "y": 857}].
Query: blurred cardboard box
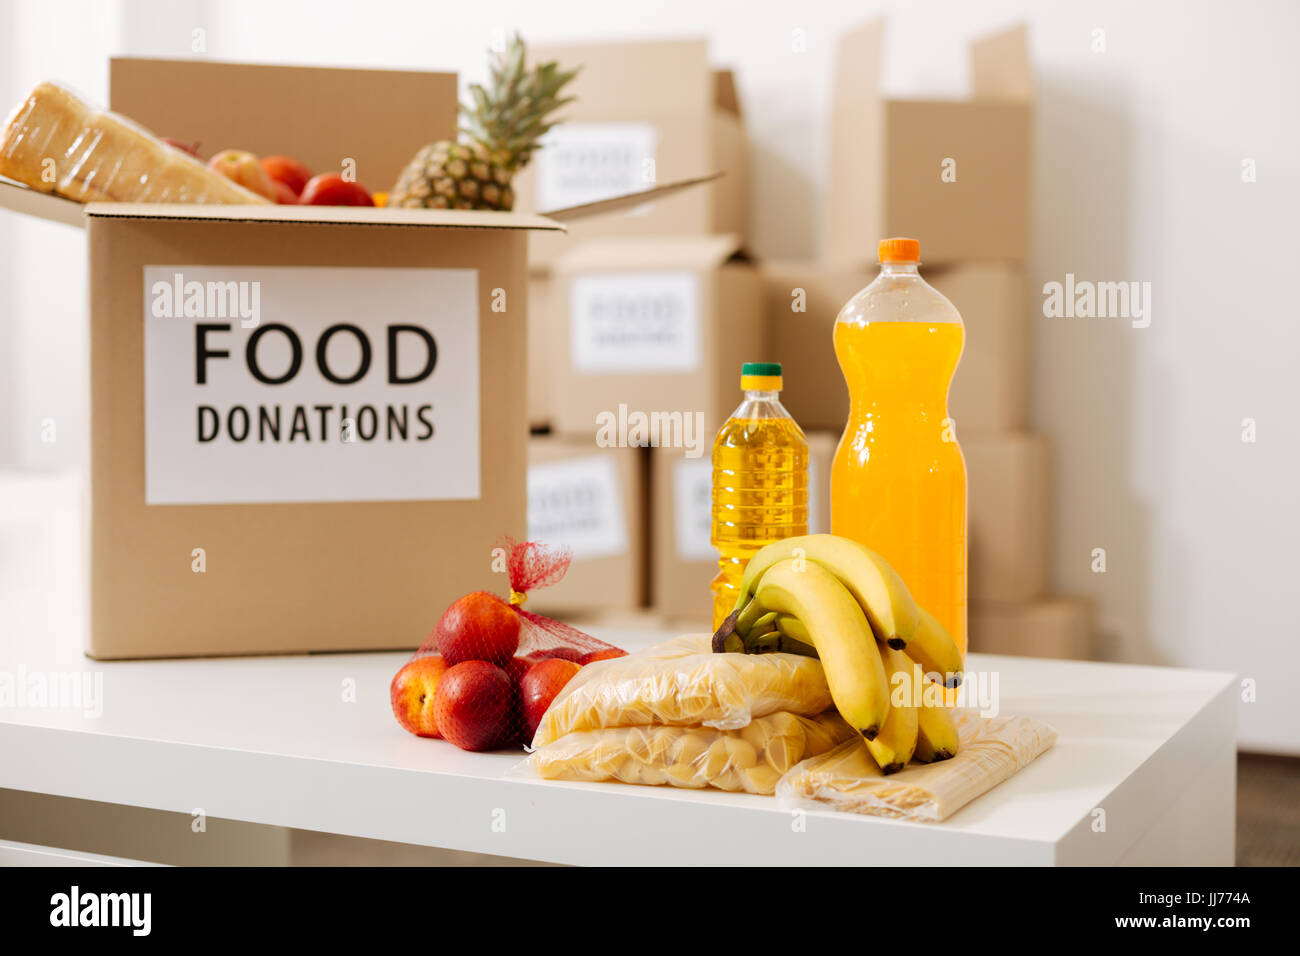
[
  {"x": 989, "y": 391},
  {"x": 1008, "y": 515},
  {"x": 1060, "y": 627},
  {"x": 954, "y": 174},
  {"x": 644, "y": 113},
  {"x": 541, "y": 328},
  {"x": 592, "y": 500},
  {"x": 682, "y": 557},
  {"x": 655, "y": 327},
  {"x": 305, "y": 421}
]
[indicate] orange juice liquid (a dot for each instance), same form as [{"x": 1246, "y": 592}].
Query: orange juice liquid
[
  {"x": 760, "y": 495},
  {"x": 898, "y": 481}
]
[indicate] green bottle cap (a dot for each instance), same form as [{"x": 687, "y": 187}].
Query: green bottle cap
[{"x": 761, "y": 368}]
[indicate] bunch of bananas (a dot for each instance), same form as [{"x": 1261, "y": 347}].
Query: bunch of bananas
[{"x": 829, "y": 597}]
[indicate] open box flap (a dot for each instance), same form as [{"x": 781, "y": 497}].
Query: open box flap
[
  {"x": 627, "y": 201},
  {"x": 643, "y": 253},
  {"x": 1000, "y": 65},
  {"x": 33, "y": 202},
  {"x": 324, "y": 215},
  {"x": 322, "y": 116}
]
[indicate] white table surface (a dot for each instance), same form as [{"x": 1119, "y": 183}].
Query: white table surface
[{"x": 273, "y": 741}]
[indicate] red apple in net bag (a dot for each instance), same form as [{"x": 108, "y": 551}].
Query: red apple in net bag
[{"x": 478, "y": 627}]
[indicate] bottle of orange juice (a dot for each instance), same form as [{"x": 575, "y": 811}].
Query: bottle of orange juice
[
  {"x": 898, "y": 481},
  {"x": 760, "y": 481}
]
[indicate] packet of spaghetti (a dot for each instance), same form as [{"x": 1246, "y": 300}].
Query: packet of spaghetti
[{"x": 682, "y": 683}]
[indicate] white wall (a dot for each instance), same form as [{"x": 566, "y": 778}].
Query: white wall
[{"x": 1137, "y": 176}]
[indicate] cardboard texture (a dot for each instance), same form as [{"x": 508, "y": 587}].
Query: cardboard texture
[
  {"x": 651, "y": 325},
  {"x": 1060, "y": 627},
  {"x": 542, "y": 327},
  {"x": 645, "y": 113},
  {"x": 683, "y": 561},
  {"x": 591, "y": 500},
  {"x": 323, "y": 117},
  {"x": 951, "y": 173},
  {"x": 989, "y": 391},
  {"x": 286, "y": 577},
  {"x": 1008, "y": 515}
]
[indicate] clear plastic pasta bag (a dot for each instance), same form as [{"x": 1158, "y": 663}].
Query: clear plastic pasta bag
[
  {"x": 683, "y": 683},
  {"x": 846, "y": 778},
  {"x": 751, "y": 759}
]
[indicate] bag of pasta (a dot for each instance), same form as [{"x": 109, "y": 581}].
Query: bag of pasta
[
  {"x": 751, "y": 759},
  {"x": 682, "y": 683}
]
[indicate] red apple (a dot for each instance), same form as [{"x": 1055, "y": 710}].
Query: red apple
[
  {"x": 478, "y": 627},
  {"x": 412, "y": 694},
  {"x": 608, "y": 654},
  {"x": 331, "y": 189},
  {"x": 243, "y": 168},
  {"x": 289, "y": 171},
  {"x": 475, "y": 706},
  {"x": 516, "y": 667},
  {"x": 539, "y": 687}
]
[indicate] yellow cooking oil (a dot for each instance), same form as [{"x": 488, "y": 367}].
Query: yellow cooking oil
[{"x": 760, "y": 481}]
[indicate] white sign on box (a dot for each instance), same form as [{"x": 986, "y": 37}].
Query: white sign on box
[
  {"x": 580, "y": 163},
  {"x": 634, "y": 322},
  {"x": 291, "y": 384},
  {"x": 693, "y": 509},
  {"x": 577, "y": 504}
]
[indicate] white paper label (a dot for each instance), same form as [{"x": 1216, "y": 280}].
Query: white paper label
[
  {"x": 296, "y": 384},
  {"x": 581, "y": 163},
  {"x": 577, "y": 503},
  {"x": 693, "y": 509},
  {"x": 634, "y": 322}
]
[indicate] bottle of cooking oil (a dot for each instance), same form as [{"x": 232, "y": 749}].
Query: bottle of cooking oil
[{"x": 760, "y": 481}]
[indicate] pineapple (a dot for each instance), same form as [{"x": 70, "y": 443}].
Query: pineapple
[{"x": 499, "y": 133}]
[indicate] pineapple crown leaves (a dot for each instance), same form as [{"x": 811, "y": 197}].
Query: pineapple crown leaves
[{"x": 510, "y": 114}]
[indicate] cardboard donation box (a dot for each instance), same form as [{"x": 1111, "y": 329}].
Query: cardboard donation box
[
  {"x": 1053, "y": 627},
  {"x": 990, "y": 389},
  {"x": 541, "y": 325},
  {"x": 651, "y": 329},
  {"x": 308, "y": 424},
  {"x": 591, "y": 500},
  {"x": 682, "y": 556},
  {"x": 1008, "y": 515},
  {"x": 953, "y": 173},
  {"x": 645, "y": 113}
]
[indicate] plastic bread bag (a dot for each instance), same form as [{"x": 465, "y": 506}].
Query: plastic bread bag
[
  {"x": 53, "y": 141},
  {"x": 683, "y": 683},
  {"x": 750, "y": 760},
  {"x": 846, "y": 778}
]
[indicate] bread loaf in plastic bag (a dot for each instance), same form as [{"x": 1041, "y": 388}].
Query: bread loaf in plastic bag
[
  {"x": 55, "y": 142},
  {"x": 846, "y": 778},
  {"x": 751, "y": 759},
  {"x": 683, "y": 683}
]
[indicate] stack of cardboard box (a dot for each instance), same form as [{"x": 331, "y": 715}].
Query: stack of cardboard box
[
  {"x": 651, "y": 313},
  {"x": 637, "y": 321},
  {"x": 954, "y": 174}
]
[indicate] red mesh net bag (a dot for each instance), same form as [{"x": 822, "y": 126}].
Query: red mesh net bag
[{"x": 485, "y": 676}]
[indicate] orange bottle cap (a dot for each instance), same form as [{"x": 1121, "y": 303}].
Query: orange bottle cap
[{"x": 900, "y": 250}]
